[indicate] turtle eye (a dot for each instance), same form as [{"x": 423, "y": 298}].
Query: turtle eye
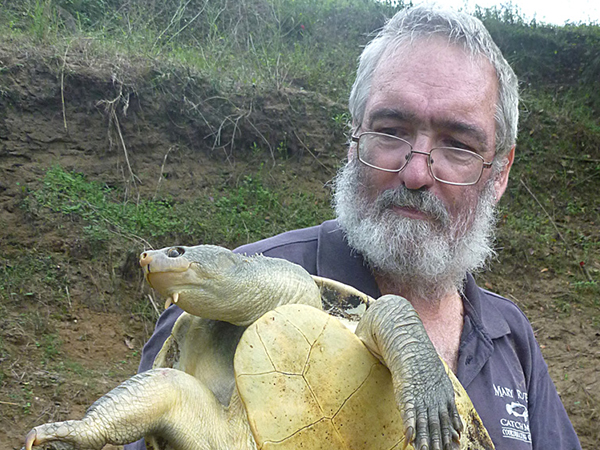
[{"x": 175, "y": 252}]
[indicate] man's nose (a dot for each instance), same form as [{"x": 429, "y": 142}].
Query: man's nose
[{"x": 416, "y": 174}]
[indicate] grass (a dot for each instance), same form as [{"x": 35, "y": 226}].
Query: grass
[
  {"x": 254, "y": 42},
  {"x": 229, "y": 215},
  {"x": 50, "y": 345},
  {"x": 17, "y": 273}
]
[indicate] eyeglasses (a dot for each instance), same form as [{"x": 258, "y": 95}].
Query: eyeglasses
[{"x": 448, "y": 165}]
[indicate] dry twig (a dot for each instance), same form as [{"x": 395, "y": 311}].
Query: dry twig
[
  {"x": 111, "y": 108},
  {"x": 543, "y": 209},
  {"x": 162, "y": 170},
  {"x": 62, "y": 88},
  {"x": 153, "y": 303},
  {"x": 311, "y": 153}
]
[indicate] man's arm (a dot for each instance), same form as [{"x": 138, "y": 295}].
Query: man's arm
[
  {"x": 164, "y": 325},
  {"x": 550, "y": 424}
]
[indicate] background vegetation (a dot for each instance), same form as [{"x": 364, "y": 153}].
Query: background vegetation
[{"x": 254, "y": 92}]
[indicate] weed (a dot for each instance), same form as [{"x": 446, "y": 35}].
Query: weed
[
  {"x": 145, "y": 310},
  {"x": 590, "y": 289},
  {"x": 341, "y": 121},
  {"x": 43, "y": 19},
  {"x": 236, "y": 215},
  {"x": 50, "y": 345},
  {"x": 26, "y": 397},
  {"x": 255, "y": 149},
  {"x": 32, "y": 275},
  {"x": 282, "y": 150},
  {"x": 75, "y": 368}
]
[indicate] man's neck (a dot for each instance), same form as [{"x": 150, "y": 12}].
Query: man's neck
[{"x": 442, "y": 316}]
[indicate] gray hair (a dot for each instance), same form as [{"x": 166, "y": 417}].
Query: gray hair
[{"x": 459, "y": 28}]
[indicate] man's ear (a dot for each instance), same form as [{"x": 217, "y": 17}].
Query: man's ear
[
  {"x": 501, "y": 180},
  {"x": 352, "y": 151}
]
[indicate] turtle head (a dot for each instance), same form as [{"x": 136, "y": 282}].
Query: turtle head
[
  {"x": 215, "y": 283},
  {"x": 185, "y": 274}
]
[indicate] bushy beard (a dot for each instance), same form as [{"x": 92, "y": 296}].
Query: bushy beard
[{"x": 426, "y": 259}]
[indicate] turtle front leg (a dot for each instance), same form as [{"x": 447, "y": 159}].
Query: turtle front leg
[
  {"x": 393, "y": 331},
  {"x": 165, "y": 403}
]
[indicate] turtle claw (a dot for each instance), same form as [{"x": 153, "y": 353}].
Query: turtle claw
[
  {"x": 409, "y": 436},
  {"x": 30, "y": 439},
  {"x": 429, "y": 413},
  {"x": 433, "y": 431}
]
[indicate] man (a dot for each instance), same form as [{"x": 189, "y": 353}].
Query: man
[{"x": 434, "y": 122}]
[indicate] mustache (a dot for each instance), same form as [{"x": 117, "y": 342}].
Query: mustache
[{"x": 421, "y": 200}]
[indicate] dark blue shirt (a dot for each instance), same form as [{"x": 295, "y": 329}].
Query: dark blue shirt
[{"x": 499, "y": 361}]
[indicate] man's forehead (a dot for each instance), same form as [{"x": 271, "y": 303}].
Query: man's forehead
[
  {"x": 431, "y": 79},
  {"x": 429, "y": 49}
]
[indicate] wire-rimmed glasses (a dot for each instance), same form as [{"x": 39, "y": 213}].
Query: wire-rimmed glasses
[{"x": 449, "y": 165}]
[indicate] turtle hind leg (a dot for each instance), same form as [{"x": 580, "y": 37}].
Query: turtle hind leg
[{"x": 161, "y": 402}]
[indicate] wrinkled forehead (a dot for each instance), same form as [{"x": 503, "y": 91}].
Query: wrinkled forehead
[{"x": 428, "y": 50}]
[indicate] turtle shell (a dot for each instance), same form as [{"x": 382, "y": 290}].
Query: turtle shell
[{"x": 306, "y": 381}]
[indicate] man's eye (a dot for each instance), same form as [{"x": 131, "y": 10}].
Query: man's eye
[
  {"x": 458, "y": 144},
  {"x": 397, "y": 132}
]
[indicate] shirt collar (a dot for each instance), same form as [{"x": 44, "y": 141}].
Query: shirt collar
[{"x": 487, "y": 318}]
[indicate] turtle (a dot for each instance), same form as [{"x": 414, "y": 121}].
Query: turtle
[{"x": 259, "y": 360}]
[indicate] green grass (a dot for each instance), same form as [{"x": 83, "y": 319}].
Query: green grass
[
  {"x": 50, "y": 344},
  {"x": 231, "y": 215},
  {"x": 17, "y": 274}
]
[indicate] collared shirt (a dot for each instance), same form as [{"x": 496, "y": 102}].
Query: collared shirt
[{"x": 499, "y": 361}]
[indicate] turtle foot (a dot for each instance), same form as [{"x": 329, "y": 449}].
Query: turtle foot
[
  {"x": 425, "y": 390},
  {"x": 67, "y": 435}
]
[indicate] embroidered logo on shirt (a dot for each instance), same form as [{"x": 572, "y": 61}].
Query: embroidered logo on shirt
[
  {"x": 515, "y": 427},
  {"x": 514, "y": 408}
]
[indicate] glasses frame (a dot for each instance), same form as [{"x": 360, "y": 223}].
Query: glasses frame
[{"x": 486, "y": 164}]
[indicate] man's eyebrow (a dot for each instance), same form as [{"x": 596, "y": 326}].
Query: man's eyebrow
[{"x": 391, "y": 113}]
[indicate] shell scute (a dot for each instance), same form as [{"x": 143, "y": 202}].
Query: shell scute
[{"x": 339, "y": 400}]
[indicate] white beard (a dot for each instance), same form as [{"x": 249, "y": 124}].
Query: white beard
[{"x": 422, "y": 258}]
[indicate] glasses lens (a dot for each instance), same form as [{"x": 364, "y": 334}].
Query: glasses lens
[
  {"x": 383, "y": 151},
  {"x": 456, "y": 165}
]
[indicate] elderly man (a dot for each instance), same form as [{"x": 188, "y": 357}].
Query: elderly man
[{"x": 434, "y": 122}]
